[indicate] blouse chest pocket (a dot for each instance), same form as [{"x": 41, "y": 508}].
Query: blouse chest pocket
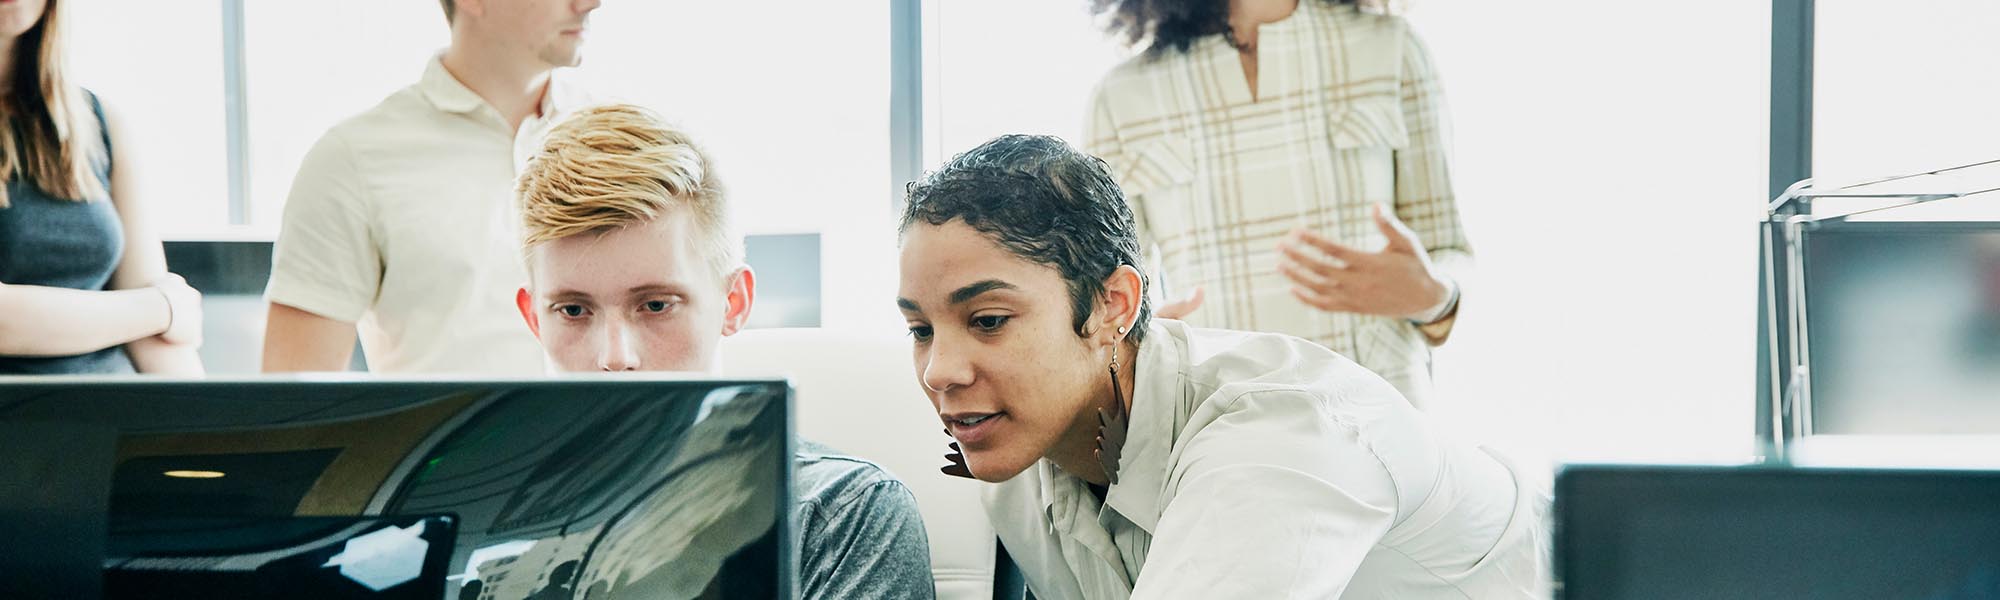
[
  {"x": 1367, "y": 123},
  {"x": 1362, "y": 139}
]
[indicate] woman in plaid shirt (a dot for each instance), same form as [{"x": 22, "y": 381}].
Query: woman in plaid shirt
[{"x": 1288, "y": 157}]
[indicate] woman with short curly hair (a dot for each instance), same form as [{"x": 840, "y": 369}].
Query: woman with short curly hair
[
  {"x": 1287, "y": 157},
  {"x": 1130, "y": 457}
]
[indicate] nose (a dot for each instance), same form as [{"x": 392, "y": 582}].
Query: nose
[
  {"x": 585, "y": 6},
  {"x": 946, "y": 370},
  {"x": 620, "y": 352}
]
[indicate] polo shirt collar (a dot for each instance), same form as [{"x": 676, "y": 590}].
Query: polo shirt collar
[
  {"x": 445, "y": 91},
  {"x": 450, "y": 95}
]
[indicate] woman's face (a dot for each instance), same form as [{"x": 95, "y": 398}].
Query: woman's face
[
  {"x": 995, "y": 349},
  {"x": 18, "y": 16}
]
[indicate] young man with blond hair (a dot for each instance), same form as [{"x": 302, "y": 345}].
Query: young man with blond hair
[{"x": 633, "y": 266}]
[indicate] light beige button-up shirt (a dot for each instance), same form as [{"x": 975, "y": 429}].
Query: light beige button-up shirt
[
  {"x": 403, "y": 219},
  {"x": 1265, "y": 466},
  {"x": 1347, "y": 113}
]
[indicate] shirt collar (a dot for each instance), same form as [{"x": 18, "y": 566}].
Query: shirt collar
[
  {"x": 1157, "y": 397},
  {"x": 448, "y": 94},
  {"x": 445, "y": 91},
  {"x": 1281, "y": 30}
]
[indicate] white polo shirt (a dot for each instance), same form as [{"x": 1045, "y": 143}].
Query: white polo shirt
[
  {"x": 403, "y": 220},
  {"x": 1266, "y": 466}
]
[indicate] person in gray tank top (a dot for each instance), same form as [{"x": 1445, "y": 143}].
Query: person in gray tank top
[{"x": 84, "y": 287}]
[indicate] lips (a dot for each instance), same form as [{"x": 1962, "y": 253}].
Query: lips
[
  {"x": 972, "y": 429},
  {"x": 971, "y": 421}
]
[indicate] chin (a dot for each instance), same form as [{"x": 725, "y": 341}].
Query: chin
[
  {"x": 561, "y": 57},
  {"x": 994, "y": 469}
]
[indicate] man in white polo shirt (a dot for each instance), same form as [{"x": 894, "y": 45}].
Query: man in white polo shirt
[{"x": 401, "y": 221}]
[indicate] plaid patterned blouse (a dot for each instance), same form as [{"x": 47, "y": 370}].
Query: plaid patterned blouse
[{"x": 1347, "y": 113}]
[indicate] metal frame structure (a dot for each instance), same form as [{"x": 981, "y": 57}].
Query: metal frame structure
[
  {"x": 1789, "y": 222},
  {"x": 236, "y": 107},
  {"x": 1792, "y": 28}
]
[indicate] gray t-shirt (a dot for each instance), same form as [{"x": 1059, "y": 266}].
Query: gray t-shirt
[{"x": 860, "y": 533}]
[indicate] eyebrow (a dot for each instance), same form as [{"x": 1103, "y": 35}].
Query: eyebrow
[
  {"x": 974, "y": 290},
  {"x": 566, "y": 294},
  {"x": 962, "y": 295},
  {"x": 650, "y": 288},
  {"x": 656, "y": 288}
]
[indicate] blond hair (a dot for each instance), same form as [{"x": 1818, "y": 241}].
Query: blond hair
[
  {"x": 48, "y": 134},
  {"x": 612, "y": 166}
]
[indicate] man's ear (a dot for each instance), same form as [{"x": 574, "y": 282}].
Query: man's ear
[
  {"x": 1123, "y": 291},
  {"x": 526, "y": 302},
  {"x": 742, "y": 293}
]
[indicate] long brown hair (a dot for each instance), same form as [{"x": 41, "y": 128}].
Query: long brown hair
[{"x": 49, "y": 133}]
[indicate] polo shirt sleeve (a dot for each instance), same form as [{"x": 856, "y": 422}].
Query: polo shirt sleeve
[
  {"x": 1273, "y": 501},
  {"x": 327, "y": 260}
]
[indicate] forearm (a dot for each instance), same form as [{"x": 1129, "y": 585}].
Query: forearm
[
  {"x": 154, "y": 356},
  {"x": 50, "y": 321}
]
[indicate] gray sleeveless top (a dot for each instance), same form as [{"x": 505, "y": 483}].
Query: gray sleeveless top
[{"x": 53, "y": 242}]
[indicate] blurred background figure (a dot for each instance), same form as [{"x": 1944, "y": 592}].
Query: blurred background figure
[
  {"x": 1274, "y": 151},
  {"x": 401, "y": 221},
  {"x": 84, "y": 287}
]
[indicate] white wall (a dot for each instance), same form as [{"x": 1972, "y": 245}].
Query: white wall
[{"x": 1611, "y": 167}]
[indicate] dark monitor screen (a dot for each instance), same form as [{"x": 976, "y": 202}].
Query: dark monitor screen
[
  {"x": 1903, "y": 324},
  {"x": 511, "y": 489},
  {"x": 1765, "y": 532}
]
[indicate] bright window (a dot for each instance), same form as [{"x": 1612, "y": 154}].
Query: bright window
[
  {"x": 170, "y": 97},
  {"x": 310, "y": 65}
]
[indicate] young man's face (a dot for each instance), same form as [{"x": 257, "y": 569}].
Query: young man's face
[
  {"x": 552, "y": 30},
  {"x": 993, "y": 342},
  {"x": 638, "y": 298}
]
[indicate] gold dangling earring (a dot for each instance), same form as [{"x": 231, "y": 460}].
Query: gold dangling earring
[{"x": 1111, "y": 422}]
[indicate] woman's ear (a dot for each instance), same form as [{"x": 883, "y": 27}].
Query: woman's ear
[{"x": 1119, "y": 308}]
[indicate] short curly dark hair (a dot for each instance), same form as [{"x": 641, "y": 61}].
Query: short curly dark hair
[
  {"x": 1163, "y": 25},
  {"x": 1046, "y": 202}
]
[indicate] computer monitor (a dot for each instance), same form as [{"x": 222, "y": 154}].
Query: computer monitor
[
  {"x": 1903, "y": 327},
  {"x": 1771, "y": 532},
  {"x": 634, "y": 487}
]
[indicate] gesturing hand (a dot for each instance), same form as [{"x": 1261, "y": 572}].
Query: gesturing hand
[
  {"x": 1180, "y": 308},
  {"x": 1395, "y": 282}
]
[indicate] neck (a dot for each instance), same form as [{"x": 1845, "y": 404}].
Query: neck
[
  {"x": 7, "y": 55},
  {"x": 1246, "y": 15},
  {"x": 1076, "y": 453},
  {"x": 514, "y": 85}
]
